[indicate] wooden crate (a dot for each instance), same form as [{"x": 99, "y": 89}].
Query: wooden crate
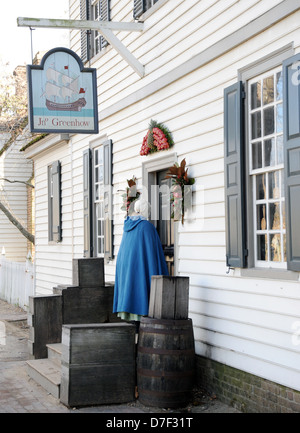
[
  {"x": 88, "y": 305},
  {"x": 45, "y": 321},
  {"x": 98, "y": 364},
  {"x": 169, "y": 297},
  {"x": 88, "y": 272}
]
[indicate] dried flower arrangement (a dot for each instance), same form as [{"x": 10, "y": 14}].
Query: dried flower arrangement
[{"x": 179, "y": 198}]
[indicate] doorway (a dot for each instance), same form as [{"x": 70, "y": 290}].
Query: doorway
[
  {"x": 157, "y": 189},
  {"x": 164, "y": 223}
]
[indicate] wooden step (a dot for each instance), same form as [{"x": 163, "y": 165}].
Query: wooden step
[
  {"x": 54, "y": 352},
  {"x": 46, "y": 373}
]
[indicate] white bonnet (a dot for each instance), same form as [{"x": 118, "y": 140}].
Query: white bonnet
[{"x": 142, "y": 207}]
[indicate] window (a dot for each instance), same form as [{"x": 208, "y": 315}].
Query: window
[
  {"x": 54, "y": 202},
  {"x": 150, "y": 3},
  {"x": 265, "y": 137},
  {"x": 100, "y": 12},
  {"x": 93, "y": 43},
  {"x": 97, "y": 199},
  {"x": 262, "y": 168},
  {"x": 141, "y": 6}
]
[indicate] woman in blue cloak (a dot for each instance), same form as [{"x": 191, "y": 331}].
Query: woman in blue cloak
[{"x": 140, "y": 256}]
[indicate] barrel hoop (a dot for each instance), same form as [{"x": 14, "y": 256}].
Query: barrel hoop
[
  {"x": 168, "y": 322},
  {"x": 163, "y": 373},
  {"x": 165, "y": 331},
  {"x": 159, "y": 351}
]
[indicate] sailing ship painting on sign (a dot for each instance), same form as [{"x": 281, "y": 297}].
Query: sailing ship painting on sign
[
  {"x": 60, "y": 86},
  {"x": 62, "y": 94}
]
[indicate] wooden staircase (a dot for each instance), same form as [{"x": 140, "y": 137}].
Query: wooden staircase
[{"x": 47, "y": 372}]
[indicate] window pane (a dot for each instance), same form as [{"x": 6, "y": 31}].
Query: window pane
[
  {"x": 274, "y": 185},
  {"x": 270, "y": 152},
  {"x": 100, "y": 228},
  {"x": 266, "y": 150},
  {"x": 279, "y": 87},
  {"x": 100, "y": 245},
  {"x": 96, "y": 192},
  {"x": 97, "y": 42},
  {"x": 261, "y": 217},
  {"x": 279, "y": 118},
  {"x": 256, "y": 125},
  {"x": 262, "y": 247},
  {"x": 100, "y": 173},
  {"x": 274, "y": 216},
  {"x": 269, "y": 121},
  {"x": 280, "y": 150},
  {"x": 283, "y": 216},
  {"x": 275, "y": 250},
  {"x": 261, "y": 187},
  {"x": 256, "y": 155},
  {"x": 101, "y": 156},
  {"x": 268, "y": 90},
  {"x": 255, "y": 95}
]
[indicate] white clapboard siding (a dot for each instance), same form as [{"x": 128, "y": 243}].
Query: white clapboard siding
[
  {"x": 243, "y": 322},
  {"x": 59, "y": 269},
  {"x": 14, "y": 167}
]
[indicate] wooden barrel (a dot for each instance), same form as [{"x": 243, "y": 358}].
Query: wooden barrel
[{"x": 165, "y": 362}]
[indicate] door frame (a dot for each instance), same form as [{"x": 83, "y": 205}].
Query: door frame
[{"x": 149, "y": 169}]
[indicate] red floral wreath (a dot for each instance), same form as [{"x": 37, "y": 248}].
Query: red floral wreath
[{"x": 158, "y": 137}]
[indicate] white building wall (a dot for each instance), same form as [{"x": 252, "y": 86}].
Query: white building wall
[
  {"x": 14, "y": 167},
  {"x": 247, "y": 323}
]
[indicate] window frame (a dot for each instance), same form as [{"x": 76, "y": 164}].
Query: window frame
[
  {"x": 265, "y": 170},
  {"x": 54, "y": 202},
  {"x": 144, "y": 13},
  {"x": 95, "y": 35},
  {"x": 89, "y": 171},
  {"x": 98, "y": 201},
  {"x": 255, "y": 69},
  {"x": 87, "y": 37}
]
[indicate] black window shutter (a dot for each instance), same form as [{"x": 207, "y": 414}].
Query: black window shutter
[
  {"x": 108, "y": 216},
  {"x": 234, "y": 176},
  {"x": 138, "y": 8},
  {"x": 85, "y": 14},
  {"x": 104, "y": 16},
  {"x": 55, "y": 226},
  {"x": 291, "y": 121},
  {"x": 87, "y": 203}
]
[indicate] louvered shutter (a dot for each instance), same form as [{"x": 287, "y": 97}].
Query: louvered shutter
[
  {"x": 291, "y": 116},
  {"x": 55, "y": 226},
  {"x": 104, "y": 16},
  {"x": 87, "y": 203},
  {"x": 108, "y": 215},
  {"x": 138, "y": 8},
  {"x": 85, "y": 14},
  {"x": 234, "y": 176}
]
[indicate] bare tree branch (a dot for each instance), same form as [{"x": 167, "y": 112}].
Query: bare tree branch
[
  {"x": 16, "y": 223},
  {"x": 17, "y": 181}
]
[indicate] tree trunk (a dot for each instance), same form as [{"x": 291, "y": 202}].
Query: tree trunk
[{"x": 15, "y": 222}]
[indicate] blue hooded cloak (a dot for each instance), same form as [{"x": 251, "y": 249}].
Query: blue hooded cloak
[{"x": 140, "y": 256}]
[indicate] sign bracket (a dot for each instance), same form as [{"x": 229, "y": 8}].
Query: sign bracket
[{"x": 105, "y": 28}]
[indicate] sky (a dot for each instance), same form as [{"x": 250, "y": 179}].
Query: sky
[{"x": 15, "y": 42}]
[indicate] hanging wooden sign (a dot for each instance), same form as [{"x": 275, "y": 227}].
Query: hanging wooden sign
[{"x": 62, "y": 94}]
